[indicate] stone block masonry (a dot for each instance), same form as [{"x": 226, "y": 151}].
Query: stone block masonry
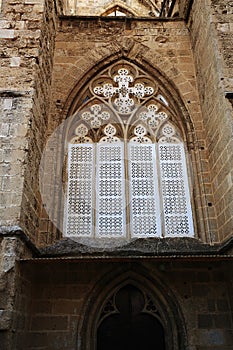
[
  {"x": 57, "y": 307},
  {"x": 211, "y": 31},
  {"x": 27, "y": 30}
]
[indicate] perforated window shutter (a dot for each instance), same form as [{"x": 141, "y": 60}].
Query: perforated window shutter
[
  {"x": 79, "y": 213},
  {"x": 175, "y": 191},
  {"x": 110, "y": 189},
  {"x": 144, "y": 200}
]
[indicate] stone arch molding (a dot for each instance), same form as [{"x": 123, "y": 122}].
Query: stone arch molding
[
  {"x": 122, "y": 6},
  {"x": 135, "y": 7},
  {"x": 161, "y": 297}
]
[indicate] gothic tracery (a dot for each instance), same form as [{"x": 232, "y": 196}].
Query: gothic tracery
[{"x": 124, "y": 132}]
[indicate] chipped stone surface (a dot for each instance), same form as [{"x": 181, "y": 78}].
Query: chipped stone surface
[{"x": 138, "y": 247}]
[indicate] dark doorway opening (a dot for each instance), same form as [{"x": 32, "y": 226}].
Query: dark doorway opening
[{"x": 131, "y": 323}]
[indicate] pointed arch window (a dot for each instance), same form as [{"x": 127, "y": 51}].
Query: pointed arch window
[
  {"x": 118, "y": 11},
  {"x": 127, "y": 169}
]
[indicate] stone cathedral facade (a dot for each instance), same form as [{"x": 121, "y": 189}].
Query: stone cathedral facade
[{"x": 116, "y": 175}]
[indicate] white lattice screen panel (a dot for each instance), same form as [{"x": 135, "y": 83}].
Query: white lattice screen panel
[
  {"x": 175, "y": 191},
  {"x": 144, "y": 200},
  {"x": 79, "y": 213},
  {"x": 110, "y": 189}
]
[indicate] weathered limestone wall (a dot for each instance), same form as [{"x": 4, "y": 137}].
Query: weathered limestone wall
[
  {"x": 32, "y": 208},
  {"x": 211, "y": 30},
  {"x": 222, "y": 12},
  {"x": 62, "y": 290},
  {"x": 27, "y": 31},
  {"x": 82, "y": 46}
]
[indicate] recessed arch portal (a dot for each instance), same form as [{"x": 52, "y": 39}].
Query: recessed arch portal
[
  {"x": 122, "y": 303},
  {"x": 130, "y": 321}
]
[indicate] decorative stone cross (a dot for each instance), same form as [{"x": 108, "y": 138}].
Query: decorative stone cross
[{"x": 124, "y": 103}]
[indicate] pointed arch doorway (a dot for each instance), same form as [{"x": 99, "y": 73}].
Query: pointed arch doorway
[
  {"x": 130, "y": 309},
  {"x": 130, "y": 321}
]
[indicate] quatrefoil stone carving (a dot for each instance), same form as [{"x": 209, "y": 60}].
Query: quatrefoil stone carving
[{"x": 123, "y": 103}]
